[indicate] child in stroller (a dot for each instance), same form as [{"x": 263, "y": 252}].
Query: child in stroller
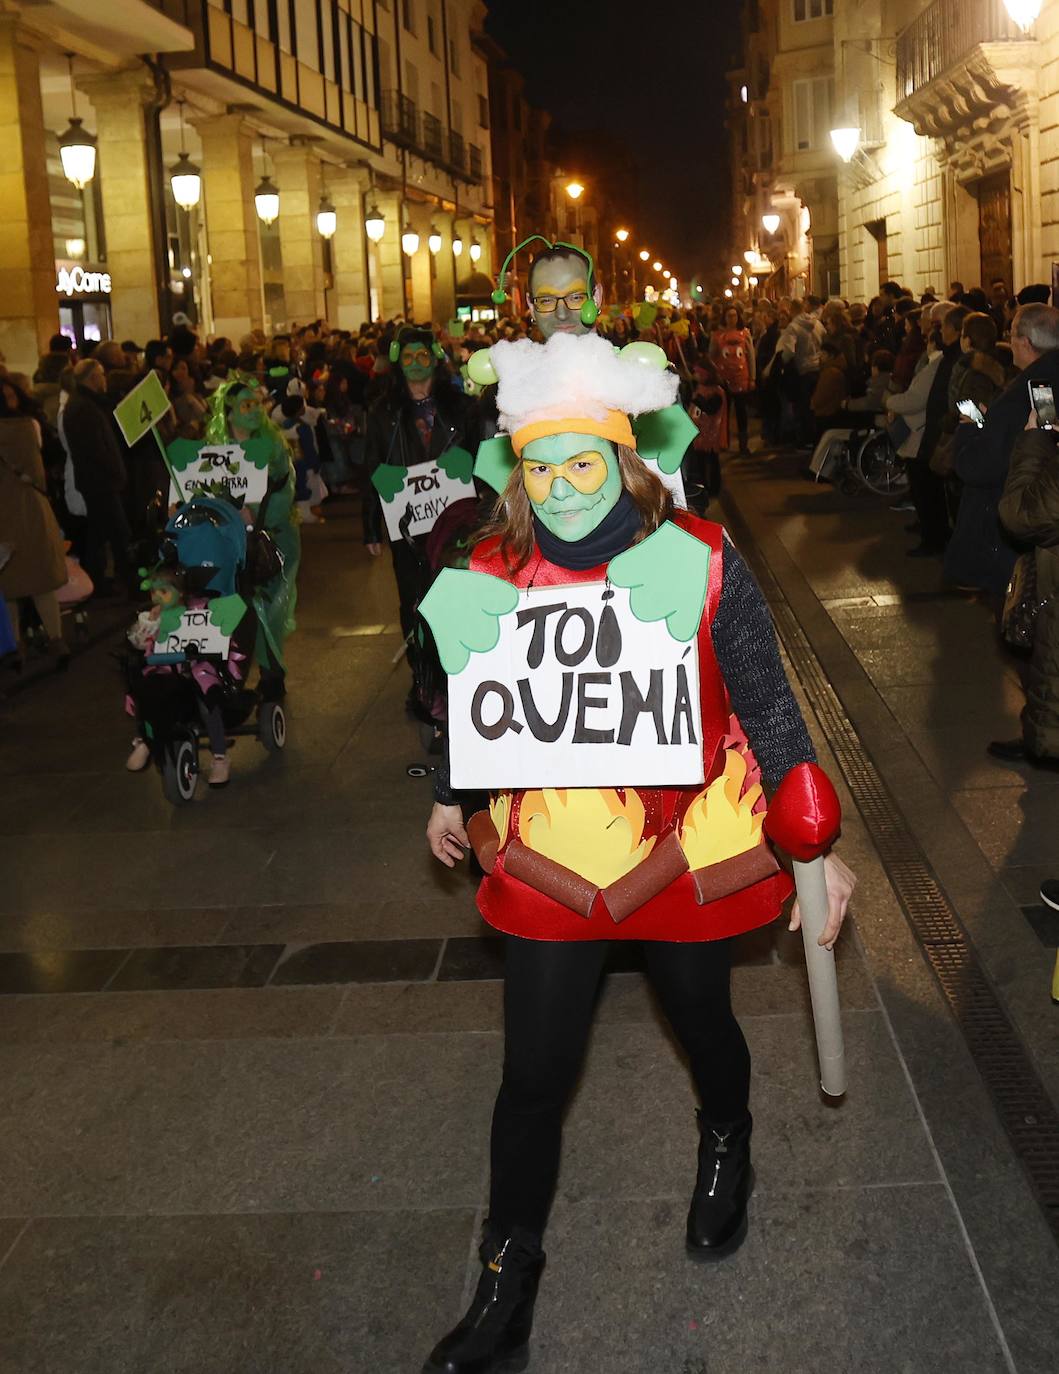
[{"x": 194, "y": 649}]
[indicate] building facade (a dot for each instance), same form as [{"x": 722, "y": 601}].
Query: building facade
[
  {"x": 360, "y": 115},
  {"x": 946, "y": 111}
]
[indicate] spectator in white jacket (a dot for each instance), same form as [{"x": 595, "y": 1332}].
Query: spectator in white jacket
[{"x": 912, "y": 404}]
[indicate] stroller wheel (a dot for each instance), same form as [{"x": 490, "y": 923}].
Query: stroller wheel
[
  {"x": 179, "y": 771},
  {"x": 272, "y": 726}
]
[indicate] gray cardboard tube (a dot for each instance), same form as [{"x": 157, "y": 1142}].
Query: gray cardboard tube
[{"x": 823, "y": 981}]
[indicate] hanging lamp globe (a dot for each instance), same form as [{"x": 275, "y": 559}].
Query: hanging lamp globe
[
  {"x": 266, "y": 201},
  {"x": 434, "y": 239},
  {"x": 186, "y": 180},
  {"x": 374, "y": 224},
  {"x": 77, "y": 152},
  {"x": 409, "y": 240},
  {"x": 457, "y": 246},
  {"x": 845, "y": 142},
  {"x": 326, "y": 219},
  {"x": 475, "y": 250}
]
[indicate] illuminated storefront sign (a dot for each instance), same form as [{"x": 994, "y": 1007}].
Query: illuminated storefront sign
[{"x": 81, "y": 281}]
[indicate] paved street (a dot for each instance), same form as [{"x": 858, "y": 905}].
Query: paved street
[{"x": 248, "y": 1049}]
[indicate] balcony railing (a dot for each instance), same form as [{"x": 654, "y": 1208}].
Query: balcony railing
[
  {"x": 399, "y": 119},
  {"x": 433, "y": 137},
  {"x": 475, "y": 161},
  {"x": 946, "y": 32},
  {"x": 457, "y": 151}
]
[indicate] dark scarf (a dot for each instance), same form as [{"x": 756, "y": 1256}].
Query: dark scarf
[{"x": 613, "y": 535}]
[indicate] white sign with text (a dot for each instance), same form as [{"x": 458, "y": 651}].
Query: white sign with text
[
  {"x": 427, "y": 491},
  {"x": 577, "y": 693},
  {"x": 198, "y": 633},
  {"x": 221, "y": 469}
]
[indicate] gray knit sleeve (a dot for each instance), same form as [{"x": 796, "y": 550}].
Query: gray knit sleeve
[{"x": 747, "y": 654}]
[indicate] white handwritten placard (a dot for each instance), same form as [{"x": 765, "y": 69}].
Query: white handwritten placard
[
  {"x": 196, "y": 632},
  {"x": 221, "y": 469},
  {"x": 577, "y": 693},
  {"x": 427, "y": 491}
]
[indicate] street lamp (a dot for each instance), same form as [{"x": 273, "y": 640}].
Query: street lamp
[
  {"x": 457, "y": 245},
  {"x": 735, "y": 281},
  {"x": 737, "y": 270},
  {"x": 77, "y": 147},
  {"x": 184, "y": 177},
  {"x": 621, "y": 235},
  {"x": 845, "y": 141},
  {"x": 656, "y": 265},
  {"x": 409, "y": 240},
  {"x": 1024, "y": 12},
  {"x": 749, "y": 255},
  {"x": 266, "y": 200},
  {"x": 728, "y": 293},
  {"x": 770, "y": 223},
  {"x": 644, "y": 254},
  {"x": 475, "y": 250},
  {"x": 326, "y": 218},
  {"x": 574, "y": 190},
  {"x": 434, "y": 239},
  {"x": 374, "y": 224}
]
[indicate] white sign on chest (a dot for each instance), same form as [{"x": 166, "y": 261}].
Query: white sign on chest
[
  {"x": 197, "y": 632},
  {"x": 428, "y": 490},
  {"x": 222, "y": 469},
  {"x": 577, "y": 693}
]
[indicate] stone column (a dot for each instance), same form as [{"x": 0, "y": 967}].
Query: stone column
[
  {"x": 119, "y": 100},
  {"x": 349, "y": 250},
  {"x": 445, "y": 279},
  {"x": 28, "y": 305},
  {"x": 231, "y": 225},
  {"x": 298, "y": 180},
  {"x": 421, "y": 306},
  {"x": 390, "y": 258}
]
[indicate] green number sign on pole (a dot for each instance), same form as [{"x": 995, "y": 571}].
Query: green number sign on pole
[{"x": 141, "y": 410}]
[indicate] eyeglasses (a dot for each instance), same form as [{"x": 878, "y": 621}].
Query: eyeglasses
[
  {"x": 420, "y": 357},
  {"x": 545, "y": 305},
  {"x": 586, "y": 473}
]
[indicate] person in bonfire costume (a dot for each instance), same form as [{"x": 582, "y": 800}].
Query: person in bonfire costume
[
  {"x": 568, "y": 870},
  {"x": 237, "y": 415}
]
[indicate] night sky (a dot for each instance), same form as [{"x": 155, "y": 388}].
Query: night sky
[{"x": 652, "y": 77}]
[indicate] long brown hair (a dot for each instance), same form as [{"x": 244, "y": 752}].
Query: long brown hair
[{"x": 511, "y": 518}]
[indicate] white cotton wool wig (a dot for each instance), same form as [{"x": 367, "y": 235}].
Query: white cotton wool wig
[{"x": 574, "y": 377}]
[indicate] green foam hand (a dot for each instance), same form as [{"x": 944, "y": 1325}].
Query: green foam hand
[
  {"x": 388, "y": 479},
  {"x": 182, "y": 453},
  {"x": 169, "y": 622},
  {"x": 463, "y": 610},
  {"x": 664, "y": 435},
  {"x": 495, "y": 462},
  {"x": 226, "y": 612},
  {"x": 458, "y": 464},
  {"x": 666, "y": 576}
]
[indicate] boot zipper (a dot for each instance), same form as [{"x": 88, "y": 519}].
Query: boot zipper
[{"x": 721, "y": 1148}]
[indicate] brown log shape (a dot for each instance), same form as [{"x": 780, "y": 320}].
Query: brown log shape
[
  {"x": 545, "y": 875},
  {"x": 733, "y": 875},
  {"x": 484, "y": 840},
  {"x": 663, "y": 866}
]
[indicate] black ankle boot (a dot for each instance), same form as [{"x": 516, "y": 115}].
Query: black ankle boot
[
  {"x": 493, "y": 1337},
  {"x": 717, "y": 1218}
]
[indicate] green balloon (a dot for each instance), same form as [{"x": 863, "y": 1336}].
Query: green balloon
[
  {"x": 480, "y": 368},
  {"x": 647, "y": 354}
]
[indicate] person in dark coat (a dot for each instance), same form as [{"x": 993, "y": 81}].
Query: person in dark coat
[
  {"x": 421, "y": 414},
  {"x": 983, "y": 556},
  {"x": 99, "y": 471},
  {"x": 1029, "y": 511}
]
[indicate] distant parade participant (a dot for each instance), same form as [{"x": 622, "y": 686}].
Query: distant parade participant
[{"x": 681, "y": 868}]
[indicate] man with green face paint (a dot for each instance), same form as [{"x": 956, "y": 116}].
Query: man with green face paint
[{"x": 420, "y": 417}]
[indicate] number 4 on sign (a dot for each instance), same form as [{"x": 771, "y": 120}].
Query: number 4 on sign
[{"x": 139, "y": 412}]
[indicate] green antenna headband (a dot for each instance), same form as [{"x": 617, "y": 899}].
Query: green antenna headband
[{"x": 589, "y": 311}]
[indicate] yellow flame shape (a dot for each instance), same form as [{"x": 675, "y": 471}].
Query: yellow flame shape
[
  {"x": 500, "y": 813},
  {"x": 719, "y": 823},
  {"x": 586, "y": 829}
]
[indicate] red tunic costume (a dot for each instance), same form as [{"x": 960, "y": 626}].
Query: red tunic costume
[{"x": 746, "y": 889}]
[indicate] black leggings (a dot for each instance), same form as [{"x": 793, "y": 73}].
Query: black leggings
[{"x": 549, "y": 996}]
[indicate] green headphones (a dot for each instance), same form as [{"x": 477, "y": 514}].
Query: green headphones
[
  {"x": 396, "y": 345},
  {"x": 589, "y": 311}
]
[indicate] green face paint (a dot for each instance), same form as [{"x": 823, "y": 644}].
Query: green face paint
[
  {"x": 564, "y": 510},
  {"x": 246, "y": 412},
  {"x": 417, "y": 362}
]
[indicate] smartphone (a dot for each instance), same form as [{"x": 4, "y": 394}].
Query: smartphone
[
  {"x": 1042, "y": 399},
  {"x": 972, "y": 412}
]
